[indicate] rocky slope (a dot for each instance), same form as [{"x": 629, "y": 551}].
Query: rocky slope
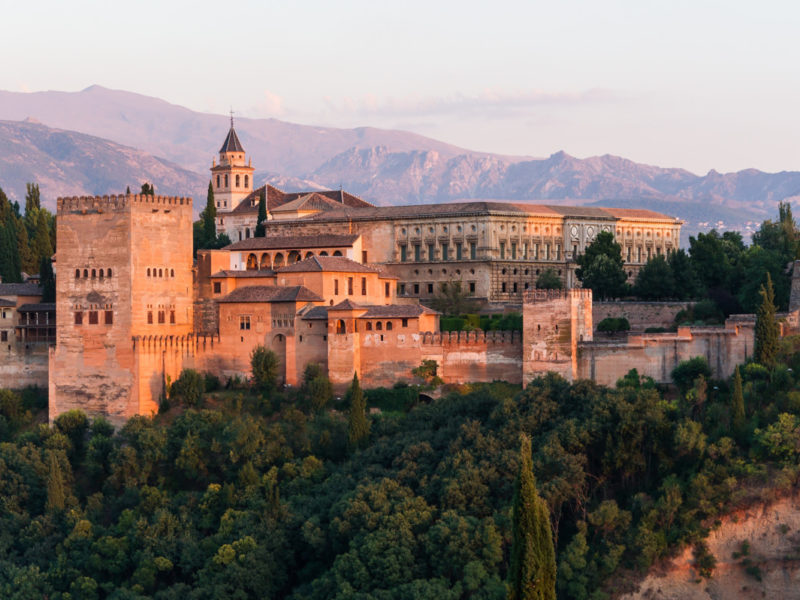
[
  {"x": 758, "y": 556},
  {"x": 68, "y": 163}
]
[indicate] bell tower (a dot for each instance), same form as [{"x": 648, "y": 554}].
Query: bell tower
[{"x": 232, "y": 178}]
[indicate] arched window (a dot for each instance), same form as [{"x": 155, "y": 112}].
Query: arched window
[
  {"x": 108, "y": 273},
  {"x": 309, "y": 254},
  {"x": 85, "y": 273},
  {"x": 278, "y": 262},
  {"x": 94, "y": 273},
  {"x": 266, "y": 261},
  {"x": 252, "y": 262},
  {"x": 217, "y": 180},
  {"x": 369, "y": 325},
  {"x": 340, "y": 328},
  {"x": 337, "y": 253},
  {"x": 160, "y": 273},
  {"x": 247, "y": 181},
  {"x": 172, "y": 272},
  {"x": 148, "y": 271},
  {"x": 77, "y": 273},
  {"x": 237, "y": 181},
  {"x": 294, "y": 256},
  {"x": 379, "y": 326},
  {"x": 324, "y": 253},
  {"x": 388, "y": 325},
  {"x": 226, "y": 181},
  {"x": 101, "y": 273}
]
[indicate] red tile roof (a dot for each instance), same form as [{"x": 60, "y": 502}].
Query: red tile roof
[
  {"x": 294, "y": 241},
  {"x": 336, "y": 264},
  {"x": 271, "y": 293}
]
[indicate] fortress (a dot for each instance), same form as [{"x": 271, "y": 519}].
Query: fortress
[{"x": 338, "y": 282}]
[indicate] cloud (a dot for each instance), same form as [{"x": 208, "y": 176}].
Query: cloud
[
  {"x": 271, "y": 105},
  {"x": 489, "y": 103}
]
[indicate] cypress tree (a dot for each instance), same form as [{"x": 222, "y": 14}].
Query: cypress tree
[
  {"x": 737, "y": 402},
  {"x": 766, "y": 348},
  {"x": 26, "y": 255},
  {"x": 48, "y": 280},
  {"x": 209, "y": 218},
  {"x": 261, "y": 224},
  {"x": 358, "y": 425},
  {"x": 55, "y": 485},
  {"x": 41, "y": 247},
  {"x": 532, "y": 570},
  {"x": 128, "y": 190}
]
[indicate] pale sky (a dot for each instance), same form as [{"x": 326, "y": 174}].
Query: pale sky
[{"x": 694, "y": 84}]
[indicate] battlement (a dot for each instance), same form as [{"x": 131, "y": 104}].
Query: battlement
[
  {"x": 458, "y": 338},
  {"x": 151, "y": 343},
  {"x": 113, "y": 203},
  {"x": 537, "y": 296}
]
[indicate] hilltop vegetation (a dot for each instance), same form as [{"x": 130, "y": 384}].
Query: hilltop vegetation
[{"x": 266, "y": 494}]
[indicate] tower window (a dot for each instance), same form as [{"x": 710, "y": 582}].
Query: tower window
[
  {"x": 247, "y": 181},
  {"x": 217, "y": 180},
  {"x": 161, "y": 317},
  {"x": 226, "y": 181},
  {"x": 92, "y": 317},
  {"x": 349, "y": 286},
  {"x": 172, "y": 317},
  {"x": 108, "y": 273},
  {"x": 78, "y": 318},
  {"x": 77, "y": 273},
  {"x": 149, "y": 317},
  {"x": 363, "y": 286},
  {"x": 109, "y": 317},
  {"x": 244, "y": 322},
  {"x": 237, "y": 181}
]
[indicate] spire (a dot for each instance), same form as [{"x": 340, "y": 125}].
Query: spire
[{"x": 231, "y": 143}]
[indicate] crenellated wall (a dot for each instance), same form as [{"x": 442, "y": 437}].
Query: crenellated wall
[{"x": 468, "y": 356}]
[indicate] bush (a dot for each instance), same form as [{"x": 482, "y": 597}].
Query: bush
[
  {"x": 704, "y": 561},
  {"x": 687, "y": 372},
  {"x": 188, "y": 387},
  {"x": 613, "y": 325},
  {"x": 264, "y": 364},
  {"x": 211, "y": 382},
  {"x": 396, "y": 399}
]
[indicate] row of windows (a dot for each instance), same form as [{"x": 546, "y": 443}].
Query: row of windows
[
  {"x": 269, "y": 262},
  {"x": 160, "y": 272},
  {"x": 341, "y": 327},
  {"x": 237, "y": 180},
  {"x": 521, "y": 252},
  {"x": 93, "y": 317},
  {"x": 446, "y": 254},
  {"x": 162, "y": 316},
  {"x": 414, "y": 288},
  {"x": 92, "y": 273}
]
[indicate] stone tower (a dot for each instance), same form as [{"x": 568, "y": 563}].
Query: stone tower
[
  {"x": 232, "y": 178},
  {"x": 554, "y": 322},
  {"x": 124, "y": 277}
]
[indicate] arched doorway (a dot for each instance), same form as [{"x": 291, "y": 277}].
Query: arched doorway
[
  {"x": 278, "y": 262},
  {"x": 252, "y": 263},
  {"x": 340, "y": 326},
  {"x": 294, "y": 256},
  {"x": 266, "y": 261},
  {"x": 278, "y": 346}
]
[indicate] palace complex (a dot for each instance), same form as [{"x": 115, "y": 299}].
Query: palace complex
[{"x": 336, "y": 281}]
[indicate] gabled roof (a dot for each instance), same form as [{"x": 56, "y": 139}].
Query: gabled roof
[
  {"x": 317, "y": 312},
  {"x": 245, "y": 274},
  {"x": 294, "y": 241},
  {"x": 347, "y": 305},
  {"x": 7, "y": 303},
  {"x": 39, "y": 307},
  {"x": 231, "y": 143},
  {"x": 336, "y": 264},
  {"x": 312, "y": 201},
  {"x": 20, "y": 289},
  {"x": 271, "y": 293},
  {"x": 276, "y": 198}
]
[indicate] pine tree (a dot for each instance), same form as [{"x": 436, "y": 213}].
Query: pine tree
[
  {"x": 55, "y": 485},
  {"x": 766, "y": 347},
  {"x": 261, "y": 224},
  {"x": 209, "y": 219},
  {"x": 737, "y": 402},
  {"x": 358, "y": 425},
  {"x": 128, "y": 190},
  {"x": 48, "y": 280},
  {"x": 532, "y": 570},
  {"x": 148, "y": 189}
]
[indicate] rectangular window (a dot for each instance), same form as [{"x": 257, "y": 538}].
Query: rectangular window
[
  {"x": 109, "y": 317},
  {"x": 403, "y": 253},
  {"x": 363, "y": 286},
  {"x": 335, "y": 287},
  {"x": 430, "y": 288},
  {"x": 431, "y": 252},
  {"x": 513, "y": 251},
  {"x": 514, "y": 287},
  {"x": 417, "y": 252},
  {"x": 445, "y": 252},
  {"x": 364, "y": 256},
  {"x": 639, "y": 254},
  {"x": 244, "y": 322},
  {"x": 458, "y": 251},
  {"x": 149, "y": 317},
  {"x": 172, "y": 317},
  {"x": 473, "y": 250},
  {"x": 240, "y": 236},
  {"x": 161, "y": 317},
  {"x": 503, "y": 287},
  {"x": 536, "y": 252},
  {"x": 471, "y": 287},
  {"x": 405, "y": 322},
  {"x": 524, "y": 251},
  {"x": 93, "y": 317},
  {"x": 349, "y": 286},
  {"x": 547, "y": 251},
  {"x": 3, "y": 336},
  {"x": 502, "y": 249},
  {"x": 558, "y": 251},
  {"x": 78, "y": 318},
  {"x": 416, "y": 289},
  {"x": 402, "y": 289},
  {"x": 627, "y": 254},
  {"x": 217, "y": 287},
  {"x": 386, "y": 289}
]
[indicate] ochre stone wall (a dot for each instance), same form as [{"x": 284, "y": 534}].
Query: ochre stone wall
[
  {"x": 640, "y": 315},
  {"x": 21, "y": 367},
  {"x": 468, "y": 356}
]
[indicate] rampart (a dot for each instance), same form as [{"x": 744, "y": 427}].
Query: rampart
[
  {"x": 100, "y": 204},
  {"x": 465, "y": 356},
  {"x": 640, "y": 315}
]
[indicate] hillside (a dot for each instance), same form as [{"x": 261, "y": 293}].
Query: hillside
[{"x": 66, "y": 163}]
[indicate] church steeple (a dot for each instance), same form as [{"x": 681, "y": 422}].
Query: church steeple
[{"x": 232, "y": 179}]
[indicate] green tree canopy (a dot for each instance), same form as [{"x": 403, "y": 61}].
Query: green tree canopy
[
  {"x": 767, "y": 333},
  {"x": 357, "y": 423},
  {"x": 261, "y": 222},
  {"x": 264, "y": 364},
  {"x": 601, "y": 267},
  {"x": 548, "y": 279},
  {"x": 655, "y": 280}
]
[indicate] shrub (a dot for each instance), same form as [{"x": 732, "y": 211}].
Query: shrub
[
  {"x": 264, "y": 364},
  {"x": 688, "y": 371},
  {"x": 188, "y": 387},
  {"x": 211, "y": 382},
  {"x": 613, "y": 325},
  {"x": 704, "y": 561}
]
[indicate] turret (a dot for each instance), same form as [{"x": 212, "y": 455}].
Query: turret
[{"x": 232, "y": 178}]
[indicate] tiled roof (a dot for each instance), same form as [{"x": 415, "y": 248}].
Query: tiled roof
[
  {"x": 317, "y": 312},
  {"x": 396, "y": 311},
  {"x": 276, "y": 198},
  {"x": 347, "y": 305},
  {"x": 20, "y": 289},
  {"x": 636, "y": 213},
  {"x": 40, "y": 307},
  {"x": 231, "y": 143},
  {"x": 337, "y": 264},
  {"x": 271, "y": 293},
  {"x": 7, "y": 303},
  {"x": 293, "y": 241},
  {"x": 250, "y": 273},
  {"x": 312, "y": 201}
]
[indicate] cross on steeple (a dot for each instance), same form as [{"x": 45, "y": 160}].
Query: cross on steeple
[{"x": 231, "y": 117}]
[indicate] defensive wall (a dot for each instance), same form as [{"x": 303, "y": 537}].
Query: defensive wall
[
  {"x": 23, "y": 365},
  {"x": 640, "y": 315},
  {"x": 466, "y": 356}
]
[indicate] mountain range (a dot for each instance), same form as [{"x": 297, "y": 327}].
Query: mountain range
[{"x": 100, "y": 140}]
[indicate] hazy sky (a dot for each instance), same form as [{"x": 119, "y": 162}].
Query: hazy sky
[{"x": 697, "y": 84}]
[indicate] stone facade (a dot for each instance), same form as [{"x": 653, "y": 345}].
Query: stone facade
[{"x": 27, "y": 328}]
